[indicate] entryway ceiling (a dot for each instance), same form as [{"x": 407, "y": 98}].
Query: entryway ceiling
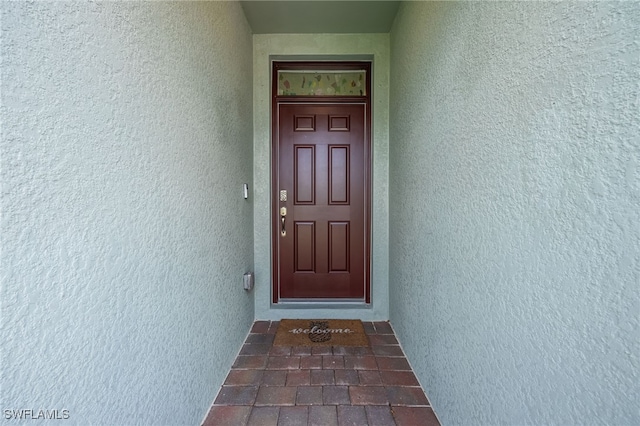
[{"x": 321, "y": 17}]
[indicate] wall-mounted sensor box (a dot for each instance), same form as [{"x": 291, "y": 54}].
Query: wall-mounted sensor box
[
  {"x": 248, "y": 281},
  {"x": 245, "y": 190}
]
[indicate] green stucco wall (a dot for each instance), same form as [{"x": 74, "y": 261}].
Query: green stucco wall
[
  {"x": 126, "y": 138},
  {"x": 515, "y": 192}
]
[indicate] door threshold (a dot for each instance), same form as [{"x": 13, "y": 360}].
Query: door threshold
[{"x": 321, "y": 304}]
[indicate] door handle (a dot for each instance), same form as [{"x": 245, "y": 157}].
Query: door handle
[{"x": 283, "y": 213}]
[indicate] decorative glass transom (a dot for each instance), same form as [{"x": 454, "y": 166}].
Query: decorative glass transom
[{"x": 322, "y": 83}]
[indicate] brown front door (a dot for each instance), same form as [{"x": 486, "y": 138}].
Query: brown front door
[{"x": 321, "y": 232}]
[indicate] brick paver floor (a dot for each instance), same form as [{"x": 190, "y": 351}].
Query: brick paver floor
[{"x": 338, "y": 385}]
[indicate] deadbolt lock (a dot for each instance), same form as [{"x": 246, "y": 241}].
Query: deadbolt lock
[{"x": 283, "y": 211}]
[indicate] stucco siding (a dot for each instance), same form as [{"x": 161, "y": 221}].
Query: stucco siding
[
  {"x": 515, "y": 199},
  {"x": 126, "y": 137}
]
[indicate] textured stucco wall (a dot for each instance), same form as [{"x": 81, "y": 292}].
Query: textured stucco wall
[
  {"x": 515, "y": 192},
  {"x": 336, "y": 47},
  {"x": 126, "y": 137}
]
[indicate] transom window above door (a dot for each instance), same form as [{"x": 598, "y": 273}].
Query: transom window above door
[
  {"x": 322, "y": 83},
  {"x": 332, "y": 79}
]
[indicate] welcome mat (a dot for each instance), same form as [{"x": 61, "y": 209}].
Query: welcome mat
[{"x": 320, "y": 333}]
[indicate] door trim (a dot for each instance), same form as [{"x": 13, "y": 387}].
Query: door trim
[{"x": 276, "y": 101}]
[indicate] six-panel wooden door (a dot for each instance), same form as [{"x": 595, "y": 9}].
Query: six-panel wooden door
[{"x": 321, "y": 197}]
